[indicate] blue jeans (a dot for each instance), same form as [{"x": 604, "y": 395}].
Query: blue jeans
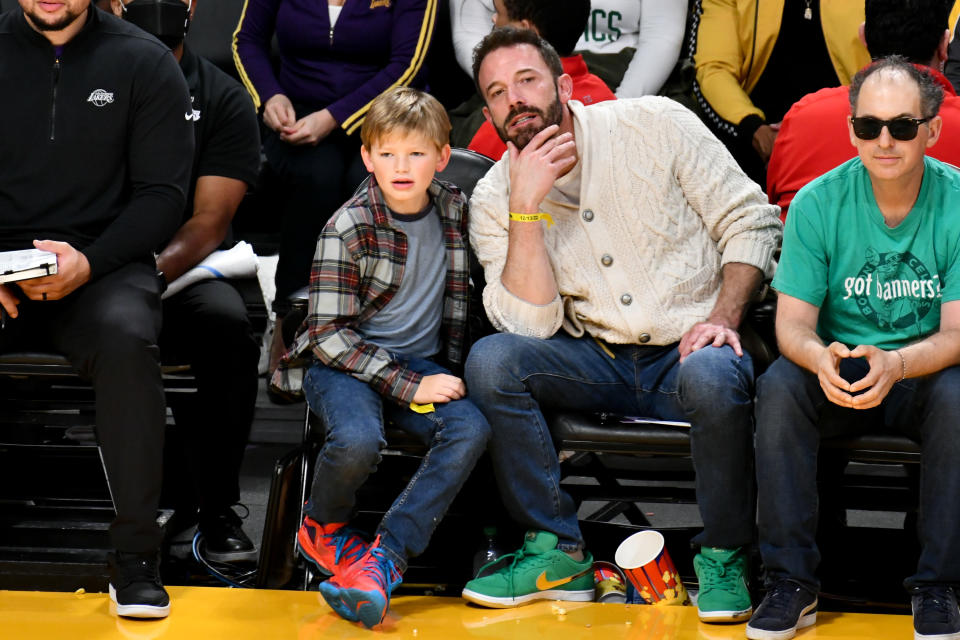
[
  {"x": 793, "y": 414},
  {"x": 354, "y": 414},
  {"x": 514, "y": 378}
]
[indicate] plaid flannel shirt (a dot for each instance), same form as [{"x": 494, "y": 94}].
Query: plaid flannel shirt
[{"x": 357, "y": 269}]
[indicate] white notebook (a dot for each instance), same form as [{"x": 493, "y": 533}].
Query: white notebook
[{"x": 26, "y": 264}]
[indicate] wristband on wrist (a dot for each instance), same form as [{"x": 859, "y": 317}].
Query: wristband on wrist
[
  {"x": 532, "y": 217},
  {"x": 903, "y": 365}
]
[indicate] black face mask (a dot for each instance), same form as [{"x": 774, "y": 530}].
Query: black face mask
[{"x": 167, "y": 20}]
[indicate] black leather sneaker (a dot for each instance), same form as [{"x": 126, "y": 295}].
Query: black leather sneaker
[
  {"x": 788, "y": 606},
  {"x": 935, "y": 613},
  {"x": 135, "y": 586},
  {"x": 224, "y": 539}
]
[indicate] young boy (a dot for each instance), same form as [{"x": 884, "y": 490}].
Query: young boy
[{"x": 388, "y": 298}]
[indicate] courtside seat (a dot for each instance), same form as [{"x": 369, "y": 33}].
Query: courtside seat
[
  {"x": 56, "y": 504},
  {"x": 615, "y": 462},
  {"x": 40, "y": 363},
  {"x": 605, "y": 433}
]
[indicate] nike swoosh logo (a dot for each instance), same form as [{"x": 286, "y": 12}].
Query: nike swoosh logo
[
  {"x": 545, "y": 585},
  {"x": 188, "y": 116}
]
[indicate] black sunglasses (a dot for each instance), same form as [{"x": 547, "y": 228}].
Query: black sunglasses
[{"x": 869, "y": 128}]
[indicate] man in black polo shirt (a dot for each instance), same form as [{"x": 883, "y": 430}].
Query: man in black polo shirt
[
  {"x": 206, "y": 324},
  {"x": 92, "y": 141}
]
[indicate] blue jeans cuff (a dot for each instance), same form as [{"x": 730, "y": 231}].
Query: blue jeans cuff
[{"x": 399, "y": 560}]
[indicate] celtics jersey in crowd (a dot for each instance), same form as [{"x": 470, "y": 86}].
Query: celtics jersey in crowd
[{"x": 874, "y": 285}]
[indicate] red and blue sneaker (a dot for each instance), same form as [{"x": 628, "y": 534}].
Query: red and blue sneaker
[
  {"x": 331, "y": 548},
  {"x": 363, "y": 591}
]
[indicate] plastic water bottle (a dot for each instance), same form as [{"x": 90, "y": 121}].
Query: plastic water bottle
[{"x": 489, "y": 552}]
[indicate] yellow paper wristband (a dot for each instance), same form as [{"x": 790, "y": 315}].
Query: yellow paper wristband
[
  {"x": 422, "y": 408},
  {"x": 532, "y": 217}
]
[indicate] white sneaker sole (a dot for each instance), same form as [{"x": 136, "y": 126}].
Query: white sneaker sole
[
  {"x": 484, "y": 600},
  {"x": 940, "y": 636},
  {"x": 806, "y": 620},
  {"x": 725, "y": 616},
  {"x": 138, "y": 610}
]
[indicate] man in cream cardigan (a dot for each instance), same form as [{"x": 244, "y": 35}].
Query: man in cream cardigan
[{"x": 621, "y": 245}]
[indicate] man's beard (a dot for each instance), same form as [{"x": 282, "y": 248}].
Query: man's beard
[
  {"x": 523, "y": 136},
  {"x": 37, "y": 20}
]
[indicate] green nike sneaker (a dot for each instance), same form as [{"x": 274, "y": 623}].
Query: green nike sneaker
[
  {"x": 723, "y": 593},
  {"x": 538, "y": 571}
]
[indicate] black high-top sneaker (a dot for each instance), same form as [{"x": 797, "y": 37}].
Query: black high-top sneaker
[
  {"x": 935, "y": 613},
  {"x": 135, "y": 586}
]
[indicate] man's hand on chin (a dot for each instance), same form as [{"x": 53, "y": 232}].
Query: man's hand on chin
[
  {"x": 73, "y": 271},
  {"x": 535, "y": 168}
]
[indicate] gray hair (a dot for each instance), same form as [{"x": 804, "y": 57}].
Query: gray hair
[{"x": 931, "y": 93}]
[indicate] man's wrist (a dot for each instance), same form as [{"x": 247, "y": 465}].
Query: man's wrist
[
  {"x": 523, "y": 207},
  {"x": 903, "y": 365},
  {"x": 724, "y": 320}
]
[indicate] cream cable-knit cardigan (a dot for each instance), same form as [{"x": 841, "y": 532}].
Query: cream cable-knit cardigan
[{"x": 663, "y": 206}]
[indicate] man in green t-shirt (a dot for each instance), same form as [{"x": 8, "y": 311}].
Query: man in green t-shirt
[{"x": 868, "y": 322}]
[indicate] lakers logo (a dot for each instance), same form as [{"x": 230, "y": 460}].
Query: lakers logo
[{"x": 100, "y": 98}]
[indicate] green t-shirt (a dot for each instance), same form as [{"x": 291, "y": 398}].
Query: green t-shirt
[{"x": 874, "y": 285}]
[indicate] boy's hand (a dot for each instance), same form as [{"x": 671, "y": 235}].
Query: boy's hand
[{"x": 439, "y": 387}]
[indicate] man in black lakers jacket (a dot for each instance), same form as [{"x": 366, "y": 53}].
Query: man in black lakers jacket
[{"x": 95, "y": 152}]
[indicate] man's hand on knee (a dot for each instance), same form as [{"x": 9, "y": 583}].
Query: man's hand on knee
[
  {"x": 73, "y": 271},
  {"x": 439, "y": 387},
  {"x": 704, "y": 333}
]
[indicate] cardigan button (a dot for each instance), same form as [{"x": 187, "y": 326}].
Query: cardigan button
[
  {"x": 626, "y": 299},
  {"x": 644, "y": 338},
  {"x": 587, "y": 215},
  {"x": 606, "y": 260}
]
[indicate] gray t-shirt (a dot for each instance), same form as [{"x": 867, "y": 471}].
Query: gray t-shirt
[{"x": 410, "y": 322}]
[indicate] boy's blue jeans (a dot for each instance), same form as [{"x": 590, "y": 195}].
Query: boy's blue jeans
[
  {"x": 354, "y": 414},
  {"x": 793, "y": 415},
  {"x": 514, "y": 379}
]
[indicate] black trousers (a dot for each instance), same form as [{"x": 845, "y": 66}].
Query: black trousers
[
  {"x": 206, "y": 326},
  {"x": 108, "y": 331},
  {"x": 316, "y": 181}
]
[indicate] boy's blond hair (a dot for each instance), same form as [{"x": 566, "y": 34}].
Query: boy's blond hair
[{"x": 409, "y": 111}]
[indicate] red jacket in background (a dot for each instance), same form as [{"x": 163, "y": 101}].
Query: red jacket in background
[{"x": 814, "y": 138}]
